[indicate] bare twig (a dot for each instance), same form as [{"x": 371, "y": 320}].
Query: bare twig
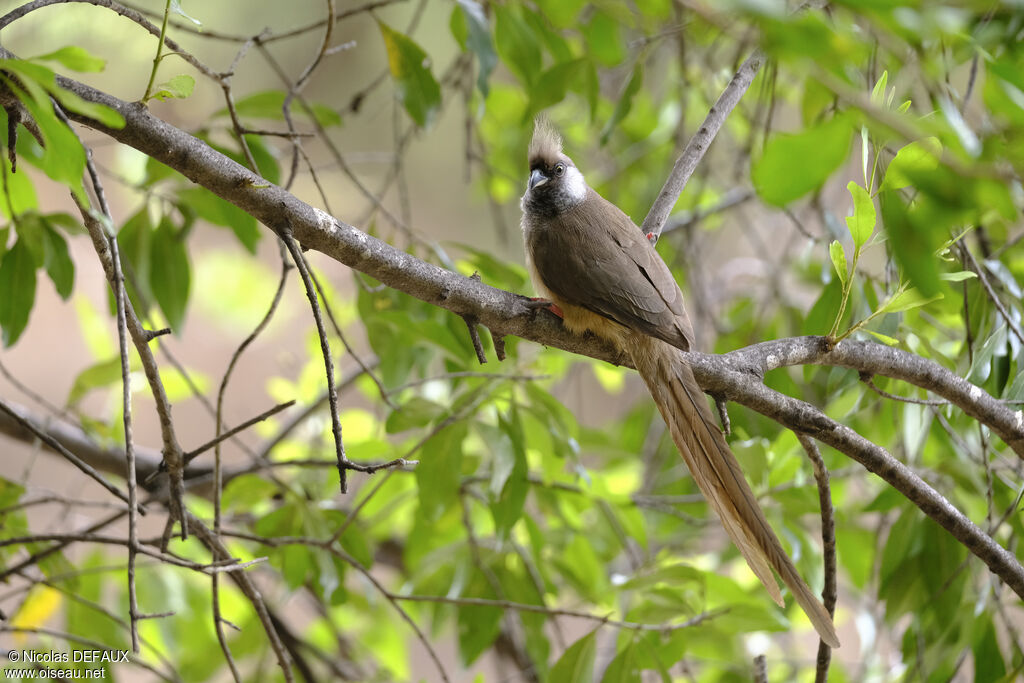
[
  {"x": 325, "y": 349},
  {"x": 973, "y": 264},
  {"x": 64, "y": 452},
  {"x": 828, "y": 538},
  {"x": 698, "y": 145},
  {"x": 300, "y": 417},
  {"x": 126, "y": 12},
  {"x": 870, "y": 382},
  {"x": 220, "y": 438}
]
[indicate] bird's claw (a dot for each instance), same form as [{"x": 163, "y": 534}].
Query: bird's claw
[{"x": 536, "y": 302}]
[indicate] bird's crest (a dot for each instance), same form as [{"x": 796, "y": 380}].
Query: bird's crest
[{"x": 547, "y": 143}]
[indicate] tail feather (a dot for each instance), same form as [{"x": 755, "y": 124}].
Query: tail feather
[{"x": 719, "y": 478}]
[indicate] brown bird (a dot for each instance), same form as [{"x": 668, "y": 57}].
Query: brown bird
[{"x": 588, "y": 258}]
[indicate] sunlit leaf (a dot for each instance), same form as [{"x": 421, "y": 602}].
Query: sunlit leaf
[
  {"x": 576, "y": 665},
  {"x": 75, "y": 58},
  {"x": 97, "y": 376},
  {"x": 410, "y": 69},
  {"x": 917, "y": 157},
  {"x": 862, "y": 222},
  {"x": 794, "y": 164},
  {"x": 177, "y": 87},
  {"x": 838, "y": 256}
]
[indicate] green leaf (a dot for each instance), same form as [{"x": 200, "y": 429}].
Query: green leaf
[
  {"x": 97, "y": 376},
  {"x": 625, "y": 103},
  {"x": 19, "y": 195},
  {"x": 517, "y": 44},
  {"x": 18, "y": 284},
  {"x": 623, "y": 669},
  {"x": 794, "y": 164},
  {"x": 30, "y": 231},
  {"x": 819, "y": 319},
  {"x": 170, "y": 273},
  {"x": 269, "y": 104},
  {"x": 878, "y": 92},
  {"x": 440, "y": 471},
  {"x": 904, "y": 301},
  {"x": 409, "y": 65},
  {"x": 862, "y": 222},
  {"x": 603, "y": 41},
  {"x": 884, "y": 338},
  {"x": 838, "y": 256},
  {"x": 958, "y": 276},
  {"x": 912, "y": 160},
  {"x": 416, "y": 413},
  {"x": 478, "y": 40},
  {"x": 552, "y": 86},
  {"x": 988, "y": 660},
  {"x": 561, "y": 13},
  {"x": 478, "y": 626},
  {"x": 63, "y": 158},
  {"x": 134, "y": 241},
  {"x": 913, "y": 242},
  {"x": 213, "y": 209},
  {"x": 74, "y": 58},
  {"x": 508, "y": 481},
  {"x": 179, "y": 87},
  {"x": 576, "y": 665},
  {"x": 57, "y": 260}
]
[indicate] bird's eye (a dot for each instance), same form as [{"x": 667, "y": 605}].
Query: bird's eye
[{"x": 559, "y": 169}]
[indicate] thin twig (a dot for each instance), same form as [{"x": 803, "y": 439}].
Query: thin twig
[
  {"x": 934, "y": 402},
  {"x": 972, "y": 263},
  {"x": 363, "y": 365},
  {"x": 343, "y": 385},
  {"x": 220, "y": 438},
  {"x": 828, "y": 539},
  {"x": 698, "y": 145},
  {"x": 325, "y": 349},
  {"x": 67, "y": 455}
]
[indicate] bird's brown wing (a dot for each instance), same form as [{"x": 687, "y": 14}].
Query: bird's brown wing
[{"x": 598, "y": 259}]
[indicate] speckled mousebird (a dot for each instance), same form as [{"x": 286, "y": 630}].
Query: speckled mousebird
[{"x": 587, "y": 257}]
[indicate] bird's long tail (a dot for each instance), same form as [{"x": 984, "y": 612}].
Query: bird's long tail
[{"x": 718, "y": 475}]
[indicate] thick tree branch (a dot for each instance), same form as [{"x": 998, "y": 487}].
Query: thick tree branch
[
  {"x": 734, "y": 376},
  {"x": 877, "y": 359},
  {"x": 799, "y": 416}
]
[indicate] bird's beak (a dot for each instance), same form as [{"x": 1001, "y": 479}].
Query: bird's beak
[{"x": 536, "y": 178}]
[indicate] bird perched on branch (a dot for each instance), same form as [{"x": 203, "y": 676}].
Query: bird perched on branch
[{"x": 590, "y": 260}]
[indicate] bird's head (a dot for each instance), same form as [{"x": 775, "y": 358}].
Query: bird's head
[{"x": 555, "y": 184}]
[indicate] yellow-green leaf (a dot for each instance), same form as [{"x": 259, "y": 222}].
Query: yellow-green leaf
[
  {"x": 838, "y": 256},
  {"x": 74, "y": 58},
  {"x": 178, "y": 87},
  {"x": 410, "y": 69},
  {"x": 862, "y": 222},
  {"x": 915, "y": 158}
]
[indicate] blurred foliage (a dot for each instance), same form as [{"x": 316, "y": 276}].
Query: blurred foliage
[{"x": 904, "y": 118}]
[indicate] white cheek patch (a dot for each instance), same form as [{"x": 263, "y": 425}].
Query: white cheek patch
[{"x": 575, "y": 185}]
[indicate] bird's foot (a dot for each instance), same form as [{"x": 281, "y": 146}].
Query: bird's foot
[{"x": 537, "y": 302}]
